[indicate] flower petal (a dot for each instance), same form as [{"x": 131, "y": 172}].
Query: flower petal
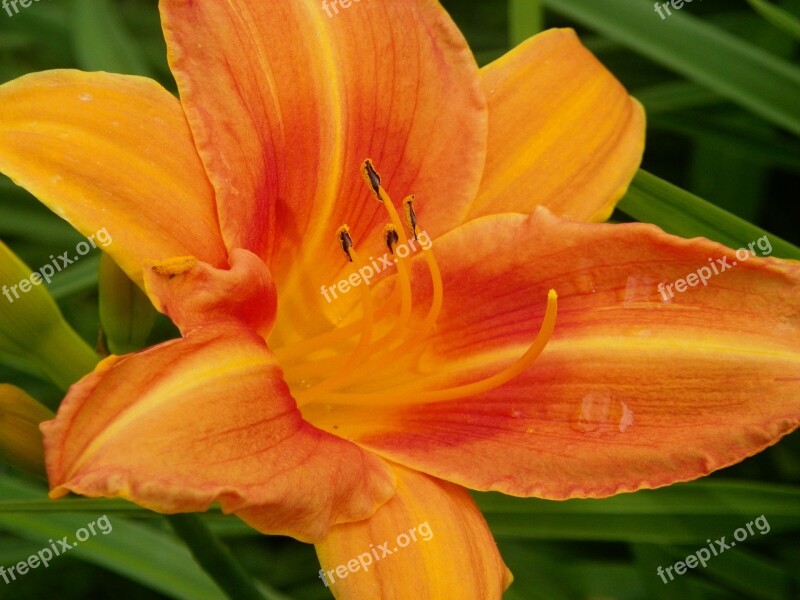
[
  {"x": 208, "y": 419},
  {"x": 429, "y": 541},
  {"x": 290, "y": 102},
  {"x": 631, "y": 392},
  {"x": 115, "y": 152},
  {"x": 196, "y": 294},
  {"x": 563, "y": 132}
]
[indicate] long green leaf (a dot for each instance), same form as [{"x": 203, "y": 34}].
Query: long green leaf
[
  {"x": 739, "y": 569},
  {"x": 674, "y": 95},
  {"x": 777, "y": 16},
  {"x": 653, "y": 200},
  {"x": 680, "y": 514},
  {"x": 525, "y": 18},
  {"x": 140, "y": 553},
  {"x": 724, "y": 63},
  {"x": 101, "y": 41}
]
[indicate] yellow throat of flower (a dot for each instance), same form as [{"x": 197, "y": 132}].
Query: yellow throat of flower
[{"x": 334, "y": 379}]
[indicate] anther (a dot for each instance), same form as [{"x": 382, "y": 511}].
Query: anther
[
  {"x": 411, "y": 216},
  {"x": 373, "y": 178},
  {"x": 345, "y": 241},
  {"x": 174, "y": 266},
  {"x": 391, "y": 238}
]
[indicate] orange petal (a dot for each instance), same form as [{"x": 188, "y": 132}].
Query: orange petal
[
  {"x": 195, "y": 294},
  {"x": 290, "y": 102},
  {"x": 563, "y": 132},
  {"x": 208, "y": 419},
  {"x": 114, "y": 152},
  {"x": 429, "y": 541},
  {"x": 631, "y": 392}
]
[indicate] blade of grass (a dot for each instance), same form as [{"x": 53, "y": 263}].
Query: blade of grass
[
  {"x": 673, "y": 96},
  {"x": 777, "y": 16},
  {"x": 653, "y": 200},
  {"x": 742, "y": 571},
  {"x": 215, "y": 559},
  {"x": 679, "y": 514},
  {"x": 135, "y": 551}
]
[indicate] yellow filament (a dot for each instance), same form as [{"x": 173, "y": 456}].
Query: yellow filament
[
  {"x": 413, "y": 394},
  {"x": 433, "y": 312},
  {"x": 288, "y": 353},
  {"x": 386, "y": 342},
  {"x": 299, "y": 349},
  {"x": 438, "y": 293},
  {"x": 344, "y": 373},
  {"x": 334, "y": 337}
]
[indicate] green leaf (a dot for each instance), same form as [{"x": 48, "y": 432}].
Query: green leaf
[
  {"x": 101, "y": 41},
  {"x": 126, "y": 313},
  {"x": 525, "y": 18},
  {"x": 777, "y": 16},
  {"x": 673, "y": 96},
  {"x": 32, "y": 327},
  {"x": 679, "y": 514},
  {"x": 140, "y": 553},
  {"x": 653, "y": 200},
  {"x": 758, "y": 146},
  {"x": 739, "y": 569},
  {"x": 20, "y": 438},
  {"x": 734, "y": 68},
  {"x": 214, "y": 557},
  {"x": 81, "y": 277}
]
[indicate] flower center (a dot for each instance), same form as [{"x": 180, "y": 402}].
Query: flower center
[{"x": 353, "y": 353}]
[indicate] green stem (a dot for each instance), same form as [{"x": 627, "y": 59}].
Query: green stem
[
  {"x": 215, "y": 559},
  {"x": 64, "y": 356},
  {"x": 525, "y": 18}
]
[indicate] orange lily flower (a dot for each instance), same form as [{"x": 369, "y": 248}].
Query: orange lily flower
[{"x": 351, "y": 419}]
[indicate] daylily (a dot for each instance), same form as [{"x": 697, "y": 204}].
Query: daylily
[{"x": 347, "y": 423}]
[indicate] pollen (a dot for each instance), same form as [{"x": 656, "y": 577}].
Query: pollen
[{"x": 174, "y": 266}]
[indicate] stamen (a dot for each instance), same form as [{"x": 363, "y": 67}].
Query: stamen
[
  {"x": 411, "y": 216},
  {"x": 345, "y": 372},
  {"x": 412, "y": 393},
  {"x": 174, "y": 266},
  {"x": 438, "y": 290},
  {"x": 374, "y": 181},
  {"x": 373, "y": 178},
  {"x": 345, "y": 241},
  {"x": 397, "y": 340},
  {"x": 391, "y": 238}
]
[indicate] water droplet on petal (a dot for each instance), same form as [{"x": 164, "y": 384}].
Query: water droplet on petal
[
  {"x": 85, "y": 97},
  {"x": 626, "y": 420},
  {"x": 599, "y": 413}
]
